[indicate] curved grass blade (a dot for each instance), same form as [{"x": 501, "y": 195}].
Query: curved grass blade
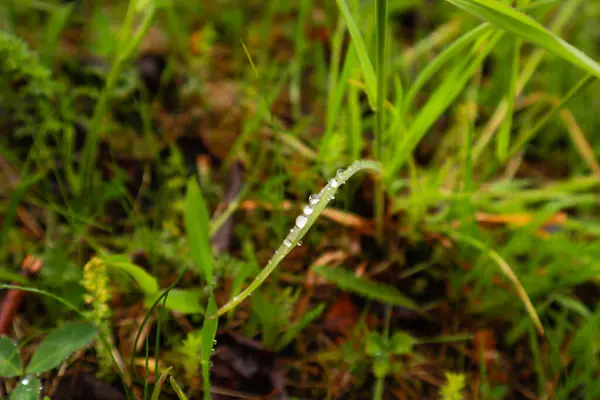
[
  {"x": 317, "y": 204},
  {"x": 505, "y": 268},
  {"x": 517, "y": 23}
]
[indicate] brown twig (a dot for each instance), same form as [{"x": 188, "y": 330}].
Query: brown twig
[{"x": 13, "y": 298}]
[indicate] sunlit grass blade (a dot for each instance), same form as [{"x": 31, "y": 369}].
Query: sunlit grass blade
[
  {"x": 511, "y": 20},
  {"x": 361, "y": 51},
  {"x": 446, "y": 55},
  {"x": 346, "y": 280},
  {"x": 440, "y": 100},
  {"x": 562, "y": 16},
  {"x": 503, "y": 137}
]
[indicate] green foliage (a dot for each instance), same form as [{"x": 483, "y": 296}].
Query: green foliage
[
  {"x": 373, "y": 290},
  {"x": 10, "y": 359},
  {"x": 31, "y": 102},
  {"x": 452, "y": 389},
  {"x": 60, "y": 344},
  {"x": 525, "y": 27},
  {"x": 29, "y": 388}
]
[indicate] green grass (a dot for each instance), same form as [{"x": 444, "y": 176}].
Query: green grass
[{"x": 474, "y": 120}]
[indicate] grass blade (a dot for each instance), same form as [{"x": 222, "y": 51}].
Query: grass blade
[
  {"x": 197, "y": 228},
  {"x": 361, "y": 51},
  {"x": 505, "y": 268},
  {"x": 374, "y": 290},
  {"x": 318, "y": 202},
  {"x": 517, "y": 23},
  {"x": 209, "y": 331},
  {"x": 444, "y": 95},
  {"x": 298, "y": 326},
  {"x": 503, "y": 137},
  {"x": 449, "y": 53}
]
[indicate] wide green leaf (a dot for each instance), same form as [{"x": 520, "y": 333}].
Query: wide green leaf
[
  {"x": 60, "y": 344},
  {"x": 197, "y": 228},
  {"x": 29, "y": 388},
  {"x": 513, "y": 21},
  {"x": 185, "y": 301},
  {"x": 361, "y": 51},
  {"x": 147, "y": 283},
  {"x": 346, "y": 280},
  {"x": 10, "y": 359}
]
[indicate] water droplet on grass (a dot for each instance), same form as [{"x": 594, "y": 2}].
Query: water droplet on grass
[
  {"x": 313, "y": 199},
  {"x": 307, "y": 210},
  {"x": 299, "y": 244},
  {"x": 287, "y": 243},
  {"x": 301, "y": 221},
  {"x": 334, "y": 183}
]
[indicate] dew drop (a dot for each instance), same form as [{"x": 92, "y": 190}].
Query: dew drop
[
  {"x": 214, "y": 342},
  {"x": 25, "y": 381},
  {"x": 307, "y": 210},
  {"x": 313, "y": 199},
  {"x": 338, "y": 173},
  {"x": 334, "y": 183},
  {"x": 287, "y": 243},
  {"x": 301, "y": 221},
  {"x": 299, "y": 244},
  {"x": 210, "y": 364}
]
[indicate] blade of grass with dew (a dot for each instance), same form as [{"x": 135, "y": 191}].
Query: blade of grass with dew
[
  {"x": 304, "y": 221},
  {"x": 196, "y": 222},
  {"x": 521, "y": 25},
  {"x": 209, "y": 331},
  {"x": 506, "y": 269},
  {"x": 440, "y": 100},
  {"x": 361, "y": 51},
  {"x": 381, "y": 25},
  {"x": 373, "y": 290}
]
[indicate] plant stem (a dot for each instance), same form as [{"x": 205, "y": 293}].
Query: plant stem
[{"x": 381, "y": 13}]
